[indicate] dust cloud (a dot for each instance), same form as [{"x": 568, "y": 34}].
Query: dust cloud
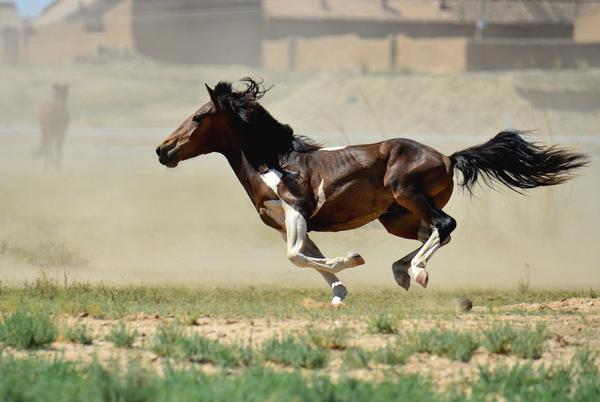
[{"x": 129, "y": 220}]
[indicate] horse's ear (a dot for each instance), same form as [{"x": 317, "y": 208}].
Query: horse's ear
[{"x": 213, "y": 96}]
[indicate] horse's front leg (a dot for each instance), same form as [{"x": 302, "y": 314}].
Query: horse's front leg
[
  {"x": 337, "y": 287},
  {"x": 272, "y": 214},
  {"x": 296, "y": 237}
]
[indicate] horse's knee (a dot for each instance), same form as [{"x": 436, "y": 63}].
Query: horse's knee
[{"x": 296, "y": 259}]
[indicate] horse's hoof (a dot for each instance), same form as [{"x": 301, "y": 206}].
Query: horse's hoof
[
  {"x": 337, "y": 301},
  {"x": 403, "y": 279},
  {"x": 423, "y": 278},
  {"x": 356, "y": 259},
  {"x": 339, "y": 292}
]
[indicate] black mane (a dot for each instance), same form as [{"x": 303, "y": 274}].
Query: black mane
[{"x": 265, "y": 139}]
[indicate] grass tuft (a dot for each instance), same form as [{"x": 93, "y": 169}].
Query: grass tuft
[
  {"x": 525, "y": 343},
  {"x": 333, "y": 338},
  {"x": 121, "y": 336},
  {"x": 357, "y": 358},
  {"x": 398, "y": 353},
  {"x": 453, "y": 344},
  {"x": 171, "y": 341},
  {"x": 382, "y": 324},
  {"x": 79, "y": 333},
  {"x": 294, "y": 352},
  {"x": 25, "y": 331}
]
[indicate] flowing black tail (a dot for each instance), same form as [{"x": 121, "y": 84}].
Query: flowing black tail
[{"x": 511, "y": 160}]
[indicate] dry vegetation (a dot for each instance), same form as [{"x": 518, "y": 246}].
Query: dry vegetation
[{"x": 221, "y": 337}]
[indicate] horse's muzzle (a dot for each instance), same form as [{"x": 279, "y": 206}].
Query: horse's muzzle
[{"x": 167, "y": 155}]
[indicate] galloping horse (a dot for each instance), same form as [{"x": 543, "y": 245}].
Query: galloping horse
[
  {"x": 54, "y": 121},
  {"x": 298, "y": 186}
]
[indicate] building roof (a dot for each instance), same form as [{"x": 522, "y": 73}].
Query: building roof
[
  {"x": 8, "y": 15},
  {"x": 459, "y": 11},
  {"x": 58, "y": 11}
]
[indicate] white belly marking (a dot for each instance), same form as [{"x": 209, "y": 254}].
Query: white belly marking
[{"x": 333, "y": 148}]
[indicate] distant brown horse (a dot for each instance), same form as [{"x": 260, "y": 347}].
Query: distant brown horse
[
  {"x": 54, "y": 122},
  {"x": 298, "y": 186}
]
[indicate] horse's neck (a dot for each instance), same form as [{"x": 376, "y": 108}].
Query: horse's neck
[{"x": 246, "y": 174}]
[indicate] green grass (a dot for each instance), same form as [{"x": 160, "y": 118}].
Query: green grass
[
  {"x": 295, "y": 352},
  {"x": 526, "y": 343},
  {"x": 102, "y": 301},
  {"x": 455, "y": 345},
  {"x": 168, "y": 340},
  {"x": 383, "y": 324},
  {"x": 333, "y": 338},
  {"x": 121, "y": 336},
  {"x": 396, "y": 353},
  {"x": 357, "y": 358},
  {"x": 78, "y": 333},
  {"x": 172, "y": 341},
  {"x": 23, "y": 330},
  {"x": 37, "y": 379}
]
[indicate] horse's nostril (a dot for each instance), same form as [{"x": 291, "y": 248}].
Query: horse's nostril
[{"x": 158, "y": 151}]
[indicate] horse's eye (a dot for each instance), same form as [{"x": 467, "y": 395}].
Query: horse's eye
[{"x": 197, "y": 118}]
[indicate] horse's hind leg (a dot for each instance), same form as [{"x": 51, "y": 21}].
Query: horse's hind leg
[{"x": 431, "y": 226}]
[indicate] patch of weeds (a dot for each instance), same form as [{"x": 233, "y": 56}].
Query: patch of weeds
[
  {"x": 79, "y": 333},
  {"x": 357, "y": 358},
  {"x": 121, "y": 336},
  {"x": 168, "y": 340},
  {"x": 577, "y": 381},
  {"x": 334, "y": 338},
  {"x": 398, "y": 353},
  {"x": 44, "y": 253},
  {"x": 525, "y": 343},
  {"x": 523, "y": 285},
  {"x": 382, "y": 324},
  {"x": 529, "y": 343},
  {"x": 199, "y": 349},
  {"x": 294, "y": 352},
  {"x": 26, "y": 331},
  {"x": 455, "y": 345},
  {"x": 171, "y": 340}
]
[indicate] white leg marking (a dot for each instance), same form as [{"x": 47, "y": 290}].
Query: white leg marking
[
  {"x": 296, "y": 236},
  {"x": 419, "y": 261},
  {"x": 337, "y": 287}
]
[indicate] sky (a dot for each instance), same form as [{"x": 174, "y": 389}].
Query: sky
[{"x": 30, "y": 8}]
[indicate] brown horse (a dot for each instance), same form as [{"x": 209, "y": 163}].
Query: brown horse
[
  {"x": 54, "y": 121},
  {"x": 298, "y": 186}
]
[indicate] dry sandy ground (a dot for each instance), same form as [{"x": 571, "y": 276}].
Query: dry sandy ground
[{"x": 571, "y": 324}]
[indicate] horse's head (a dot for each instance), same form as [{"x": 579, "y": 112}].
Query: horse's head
[
  {"x": 197, "y": 135},
  {"x": 61, "y": 91},
  {"x": 214, "y": 126}
]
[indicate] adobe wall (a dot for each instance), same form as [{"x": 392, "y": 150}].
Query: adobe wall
[
  {"x": 587, "y": 26},
  {"x": 61, "y": 43},
  {"x": 349, "y": 52}
]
